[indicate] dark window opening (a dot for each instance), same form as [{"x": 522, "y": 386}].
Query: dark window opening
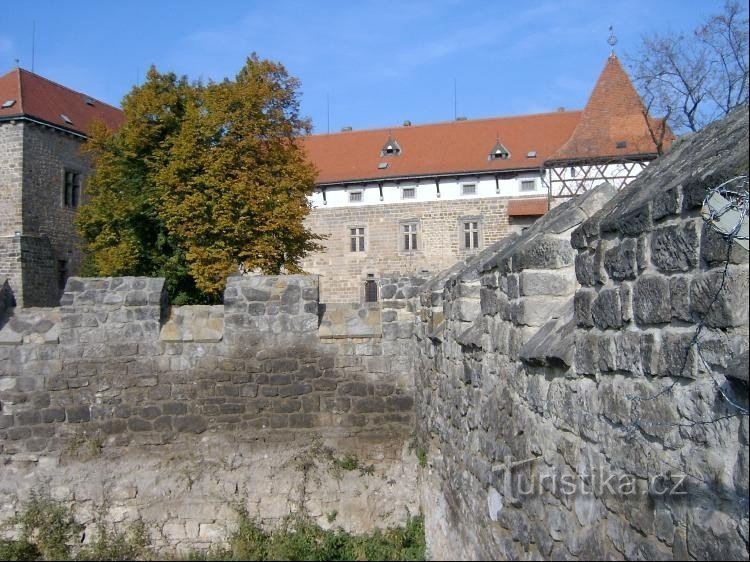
[
  {"x": 71, "y": 189},
  {"x": 371, "y": 291},
  {"x": 62, "y": 274}
]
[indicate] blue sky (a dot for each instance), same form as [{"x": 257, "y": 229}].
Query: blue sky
[{"x": 378, "y": 63}]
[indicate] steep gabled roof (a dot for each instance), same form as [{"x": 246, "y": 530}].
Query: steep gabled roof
[
  {"x": 613, "y": 123},
  {"x": 43, "y": 100},
  {"x": 458, "y": 147}
]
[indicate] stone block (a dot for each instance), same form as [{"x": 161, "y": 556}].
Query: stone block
[
  {"x": 555, "y": 283},
  {"x": 651, "y": 300},
  {"x": 677, "y": 355},
  {"x": 582, "y": 303},
  {"x": 675, "y": 247},
  {"x": 399, "y": 403},
  {"x": 285, "y": 405},
  {"x": 679, "y": 291},
  {"x": 667, "y": 203},
  {"x": 190, "y": 424},
  {"x": 139, "y": 424},
  {"x": 466, "y": 310},
  {"x": 77, "y": 414},
  {"x": 721, "y": 302},
  {"x": 586, "y": 354},
  {"x": 544, "y": 252},
  {"x": 606, "y": 310},
  {"x": 535, "y": 311},
  {"x": 585, "y": 268},
  {"x": 368, "y": 405},
  {"x": 715, "y": 248},
  {"x": 620, "y": 261}
]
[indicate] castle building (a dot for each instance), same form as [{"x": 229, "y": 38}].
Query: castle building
[
  {"x": 42, "y": 182},
  {"x": 402, "y": 199},
  {"x": 413, "y": 198}
]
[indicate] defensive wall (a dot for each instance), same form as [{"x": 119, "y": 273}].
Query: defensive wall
[{"x": 579, "y": 391}]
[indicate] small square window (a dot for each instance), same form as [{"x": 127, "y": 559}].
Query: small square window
[
  {"x": 408, "y": 193},
  {"x": 355, "y": 197},
  {"x": 357, "y": 239},
  {"x": 528, "y": 185},
  {"x": 71, "y": 188},
  {"x": 469, "y": 189}
]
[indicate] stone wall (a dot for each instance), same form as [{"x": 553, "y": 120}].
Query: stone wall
[
  {"x": 343, "y": 272},
  {"x": 176, "y": 416},
  {"x": 37, "y": 231},
  {"x": 564, "y": 411}
]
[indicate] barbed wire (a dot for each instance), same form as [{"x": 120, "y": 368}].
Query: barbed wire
[{"x": 735, "y": 192}]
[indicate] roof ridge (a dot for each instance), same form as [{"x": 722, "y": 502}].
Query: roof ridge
[
  {"x": 480, "y": 119},
  {"x": 20, "y": 90},
  {"x": 58, "y": 85}
]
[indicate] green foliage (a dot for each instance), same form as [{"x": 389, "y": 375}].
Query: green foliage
[
  {"x": 421, "y": 457},
  {"x": 18, "y": 550},
  {"x": 133, "y": 544},
  {"x": 46, "y": 530},
  {"x": 299, "y": 538},
  {"x": 202, "y": 179}
]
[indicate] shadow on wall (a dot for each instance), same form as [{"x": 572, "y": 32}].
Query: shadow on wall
[{"x": 7, "y": 303}]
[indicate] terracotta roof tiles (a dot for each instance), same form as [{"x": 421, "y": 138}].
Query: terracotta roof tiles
[
  {"x": 612, "y": 123},
  {"x": 39, "y": 98},
  {"x": 458, "y": 147}
]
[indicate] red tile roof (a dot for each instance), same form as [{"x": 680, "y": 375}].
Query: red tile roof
[
  {"x": 527, "y": 207},
  {"x": 38, "y": 98},
  {"x": 614, "y": 114},
  {"x": 441, "y": 148}
]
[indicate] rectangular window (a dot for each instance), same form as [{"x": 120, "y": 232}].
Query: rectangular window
[
  {"x": 371, "y": 290},
  {"x": 528, "y": 185},
  {"x": 408, "y": 193},
  {"x": 71, "y": 188},
  {"x": 409, "y": 236},
  {"x": 357, "y": 239},
  {"x": 62, "y": 274},
  {"x": 471, "y": 235},
  {"x": 469, "y": 189},
  {"x": 355, "y": 197}
]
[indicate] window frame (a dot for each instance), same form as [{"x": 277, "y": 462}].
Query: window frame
[
  {"x": 359, "y": 192},
  {"x": 527, "y": 181},
  {"x": 477, "y": 234},
  {"x": 412, "y": 189},
  {"x": 71, "y": 190},
  {"x": 413, "y": 236},
  {"x": 464, "y": 185},
  {"x": 357, "y": 241}
]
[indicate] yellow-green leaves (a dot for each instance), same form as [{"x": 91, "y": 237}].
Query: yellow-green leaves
[{"x": 208, "y": 176}]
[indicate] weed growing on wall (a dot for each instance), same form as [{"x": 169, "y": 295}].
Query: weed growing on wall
[{"x": 300, "y": 538}]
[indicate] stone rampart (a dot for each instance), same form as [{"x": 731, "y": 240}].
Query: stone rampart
[
  {"x": 565, "y": 412},
  {"x": 116, "y": 396}
]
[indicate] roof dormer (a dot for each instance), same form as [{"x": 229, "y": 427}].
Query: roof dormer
[
  {"x": 391, "y": 147},
  {"x": 499, "y": 152}
]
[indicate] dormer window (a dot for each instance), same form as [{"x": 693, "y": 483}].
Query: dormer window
[
  {"x": 8, "y": 103},
  {"x": 499, "y": 152},
  {"x": 391, "y": 147}
]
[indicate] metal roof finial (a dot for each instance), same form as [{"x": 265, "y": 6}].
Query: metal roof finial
[{"x": 612, "y": 40}]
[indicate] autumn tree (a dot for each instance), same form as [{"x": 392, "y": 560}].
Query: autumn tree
[
  {"x": 698, "y": 77},
  {"x": 202, "y": 180}
]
